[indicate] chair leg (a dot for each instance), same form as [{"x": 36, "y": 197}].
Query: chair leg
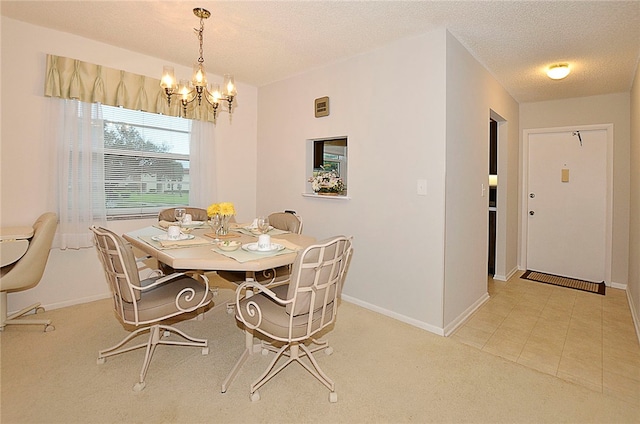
[
  {"x": 11, "y": 319},
  {"x": 155, "y": 338},
  {"x": 268, "y": 373},
  {"x": 294, "y": 354}
]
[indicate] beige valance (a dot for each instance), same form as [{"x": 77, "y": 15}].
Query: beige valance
[{"x": 73, "y": 79}]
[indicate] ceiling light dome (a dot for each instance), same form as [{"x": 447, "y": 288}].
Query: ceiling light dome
[{"x": 558, "y": 71}]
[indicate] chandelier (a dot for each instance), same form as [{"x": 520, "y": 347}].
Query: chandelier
[{"x": 198, "y": 88}]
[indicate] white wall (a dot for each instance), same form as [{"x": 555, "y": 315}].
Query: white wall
[
  {"x": 472, "y": 95},
  {"x": 605, "y": 109},
  {"x": 633, "y": 284},
  {"x": 390, "y": 105},
  {"x": 75, "y": 276}
]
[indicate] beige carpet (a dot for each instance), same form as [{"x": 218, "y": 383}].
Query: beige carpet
[{"x": 385, "y": 372}]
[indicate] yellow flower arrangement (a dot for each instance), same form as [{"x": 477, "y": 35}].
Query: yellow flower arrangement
[{"x": 224, "y": 209}]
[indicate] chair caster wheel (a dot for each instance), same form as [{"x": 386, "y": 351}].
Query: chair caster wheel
[
  {"x": 205, "y": 351},
  {"x": 264, "y": 351},
  {"x": 255, "y": 396},
  {"x": 166, "y": 334},
  {"x": 215, "y": 291},
  {"x": 230, "y": 308},
  {"x": 49, "y": 328},
  {"x": 139, "y": 386},
  {"x": 39, "y": 310},
  {"x": 328, "y": 350},
  {"x": 333, "y": 397},
  {"x": 101, "y": 361}
]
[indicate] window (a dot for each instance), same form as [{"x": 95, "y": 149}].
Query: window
[
  {"x": 146, "y": 162},
  {"x": 330, "y": 155}
]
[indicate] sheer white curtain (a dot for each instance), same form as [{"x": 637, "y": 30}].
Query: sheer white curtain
[
  {"x": 78, "y": 130},
  {"x": 202, "y": 158}
]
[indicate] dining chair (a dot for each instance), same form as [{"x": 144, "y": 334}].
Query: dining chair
[
  {"x": 146, "y": 304},
  {"x": 291, "y": 315},
  {"x": 197, "y": 214},
  {"x": 286, "y": 221},
  {"x": 27, "y": 272}
]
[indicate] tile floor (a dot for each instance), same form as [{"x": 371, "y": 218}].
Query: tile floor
[{"x": 581, "y": 337}]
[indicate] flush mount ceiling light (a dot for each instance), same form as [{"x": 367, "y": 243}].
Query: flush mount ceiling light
[
  {"x": 197, "y": 88},
  {"x": 558, "y": 71}
]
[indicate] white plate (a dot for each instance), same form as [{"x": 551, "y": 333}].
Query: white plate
[
  {"x": 164, "y": 237},
  {"x": 253, "y": 247}
]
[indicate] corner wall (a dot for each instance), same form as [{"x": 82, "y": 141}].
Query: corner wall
[
  {"x": 633, "y": 284},
  {"x": 472, "y": 96}
]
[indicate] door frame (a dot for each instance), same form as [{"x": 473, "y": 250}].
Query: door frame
[{"x": 609, "y": 188}]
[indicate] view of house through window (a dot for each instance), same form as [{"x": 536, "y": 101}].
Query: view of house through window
[{"x": 146, "y": 161}]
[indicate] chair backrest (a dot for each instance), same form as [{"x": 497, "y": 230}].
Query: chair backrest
[
  {"x": 317, "y": 276},
  {"x": 287, "y": 221},
  {"x": 197, "y": 214},
  {"x": 28, "y": 271},
  {"x": 119, "y": 265}
]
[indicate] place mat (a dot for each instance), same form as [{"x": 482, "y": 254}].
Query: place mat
[
  {"x": 242, "y": 255},
  {"x": 272, "y": 232},
  {"x": 166, "y": 224},
  {"x": 571, "y": 283},
  {"x": 286, "y": 243},
  {"x": 174, "y": 244},
  {"x": 222, "y": 237}
]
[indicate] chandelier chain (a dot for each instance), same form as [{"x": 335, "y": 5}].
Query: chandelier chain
[{"x": 200, "y": 38}]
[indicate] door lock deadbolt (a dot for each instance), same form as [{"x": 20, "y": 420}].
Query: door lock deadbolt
[
  {"x": 532, "y": 195},
  {"x": 532, "y": 213}
]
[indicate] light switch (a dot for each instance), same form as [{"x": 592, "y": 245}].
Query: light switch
[
  {"x": 422, "y": 188},
  {"x": 565, "y": 175}
]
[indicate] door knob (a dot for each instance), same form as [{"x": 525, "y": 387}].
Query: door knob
[{"x": 532, "y": 213}]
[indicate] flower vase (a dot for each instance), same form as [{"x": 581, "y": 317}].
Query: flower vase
[{"x": 224, "y": 228}]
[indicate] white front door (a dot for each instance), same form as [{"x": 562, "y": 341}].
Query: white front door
[{"x": 566, "y": 203}]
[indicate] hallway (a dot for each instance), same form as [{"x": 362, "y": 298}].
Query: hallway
[{"x": 581, "y": 337}]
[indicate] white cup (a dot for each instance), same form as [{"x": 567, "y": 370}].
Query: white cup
[
  {"x": 173, "y": 232},
  {"x": 187, "y": 219},
  {"x": 264, "y": 242}
]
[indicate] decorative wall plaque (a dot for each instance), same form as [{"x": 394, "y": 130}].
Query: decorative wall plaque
[{"x": 322, "y": 107}]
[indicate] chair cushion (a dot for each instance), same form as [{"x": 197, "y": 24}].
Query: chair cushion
[
  {"x": 285, "y": 221},
  {"x": 275, "y": 319},
  {"x": 159, "y": 303}
]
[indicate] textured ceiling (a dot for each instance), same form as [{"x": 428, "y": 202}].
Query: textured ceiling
[{"x": 265, "y": 41}]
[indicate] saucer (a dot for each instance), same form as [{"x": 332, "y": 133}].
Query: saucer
[{"x": 253, "y": 247}]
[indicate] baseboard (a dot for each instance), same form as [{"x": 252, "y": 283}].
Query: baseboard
[
  {"x": 73, "y": 302},
  {"x": 506, "y": 277},
  {"x": 394, "y": 315},
  {"x": 462, "y": 318},
  {"x": 634, "y": 315},
  {"x": 620, "y": 286}
]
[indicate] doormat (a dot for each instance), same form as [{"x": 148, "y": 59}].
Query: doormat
[{"x": 571, "y": 283}]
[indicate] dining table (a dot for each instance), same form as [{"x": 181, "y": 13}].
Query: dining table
[{"x": 200, "y": 252}]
